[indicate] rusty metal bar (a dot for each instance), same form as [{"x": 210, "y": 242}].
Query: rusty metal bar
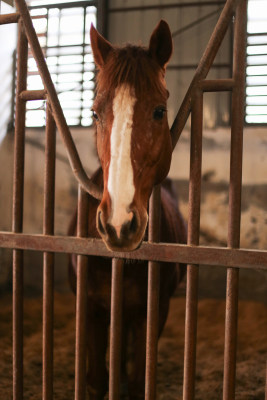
[
  {"x": 203, "y": 67},
  {"x": 165, "y": 252},
  {"x": 28, "y": 95},
  {"x": 266, "y": 381},
  {"x": 238, "y": 97},
  {"x": 58, "y": 115},
  {"x": 17, "y": 216},
  {"x": 12, "y": 18},
  {"x": 193, "y": 239},
  {"x": 165, "y": 6},
  {"x": 48, "y": 258},
  {"x": 153, "y": 298},
  {"x": 216, "y": 85},
  {"x": 81, "y": 300},
  {"x": 115, "y": 328}
]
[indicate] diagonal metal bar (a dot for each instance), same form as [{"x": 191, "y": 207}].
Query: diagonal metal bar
[
  {"x": 57, "y": 111},
  {"x": 203, "y": 67}
]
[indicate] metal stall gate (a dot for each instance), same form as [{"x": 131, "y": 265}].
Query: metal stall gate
[{"x": 232, "y": 257}]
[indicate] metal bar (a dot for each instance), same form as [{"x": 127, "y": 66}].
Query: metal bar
[
  {"x": 48, "y": 258},
  {"x": 81, "y": 300},
  {"x": 12, "y": 18},
  {"x": 266, "y": 381},
  {"x": 58, "y": 115},
  {"x": 203, "y": 67},
  {"x": 153, "y": 298},
  {"x": 165, "y": 6},
  {"x": 194, "y": 66},
  {"x": 215, "y": 256},
  {"x": 28, "y": 95},
  {"x": 115, "y": 328},
  {"x": 193, "y": 239},
  {"x": 217, "y": 85},
  {"x": 238, "y": 98},
  {"x": 73, "y": 4},
  {"x": 17, "y": 216}
]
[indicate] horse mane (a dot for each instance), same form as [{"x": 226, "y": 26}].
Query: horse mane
[{"x": 132, "y": 65}]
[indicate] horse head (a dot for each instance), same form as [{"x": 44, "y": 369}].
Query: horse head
[{"x": 132, "y": 133}]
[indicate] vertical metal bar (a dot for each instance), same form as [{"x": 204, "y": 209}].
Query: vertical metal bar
[
  {"x": 48, "y": 258},
  {"x": 81, "y": 300},
  {"x": 193, "y": 239},
  {"x": 153, "y": 299},
  {"x": 115, "y": 329},
  {"x": 17, "y": 217},
  {"x": 102, "y": 17},
  {"x": 235, "y": 198},
  {"x": 83, "y": 62},
  {"x": 266, "y": 381}
]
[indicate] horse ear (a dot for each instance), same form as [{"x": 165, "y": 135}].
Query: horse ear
[
  {"x": 160, "y": 45},
  {"x": 100, "y": 47}
]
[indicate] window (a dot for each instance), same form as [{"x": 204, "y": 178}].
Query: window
[
  {"x": 256, "y": 91},
  {"x": 63, "y": 32}
]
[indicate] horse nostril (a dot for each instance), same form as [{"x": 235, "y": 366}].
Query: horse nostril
[
  {"x": 100, "y": 225},
  {"x": 133, "y": 224}
]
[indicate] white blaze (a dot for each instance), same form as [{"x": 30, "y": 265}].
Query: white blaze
[{"x": 120, "y": 178}]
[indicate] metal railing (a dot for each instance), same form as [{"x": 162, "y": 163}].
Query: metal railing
[{"x": 232, "y": 257}]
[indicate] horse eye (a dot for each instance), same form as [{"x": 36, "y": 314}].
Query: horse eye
[
  {"x": 158, "y": 113},
  {"x": 95, "y": 116}
]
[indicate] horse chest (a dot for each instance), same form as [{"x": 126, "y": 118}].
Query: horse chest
[{"x": 134, "y": 284}]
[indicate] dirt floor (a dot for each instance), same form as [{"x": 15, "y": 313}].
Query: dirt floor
[{"x": 251, "y": 357}]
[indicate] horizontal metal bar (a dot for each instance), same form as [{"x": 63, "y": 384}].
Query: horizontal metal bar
[
  {"x": 40, "y": 16},
  {"x": 220, "y": 256},
  {"x": 66, "y": 5},
  {"x": 216, "y": 85},
  {"x": 28, "y": 95},
  {"x": 165, "y": 6},
  {"x": 9, "y": 18},
  {"x": 194, "y": 66}
]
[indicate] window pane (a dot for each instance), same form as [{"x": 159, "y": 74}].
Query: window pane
[
  {"x": 256, "y": 91},
  {"x": 68, "y": 54}
]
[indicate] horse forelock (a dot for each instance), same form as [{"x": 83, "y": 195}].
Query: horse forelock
[{"x": 134, "y": 66}]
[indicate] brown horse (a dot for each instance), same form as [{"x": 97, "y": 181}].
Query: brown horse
[{"x": 134, "y": 148}]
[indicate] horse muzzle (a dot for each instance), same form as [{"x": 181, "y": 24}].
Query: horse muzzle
[{"x": 128, "y": 235}]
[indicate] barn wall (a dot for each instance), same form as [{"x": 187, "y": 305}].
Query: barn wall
[{"x": 136, "y": 27}]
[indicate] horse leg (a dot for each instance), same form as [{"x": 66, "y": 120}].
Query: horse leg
[
  {"x": 97, "y": 375},
  {"x": 136, "y": 376}
]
